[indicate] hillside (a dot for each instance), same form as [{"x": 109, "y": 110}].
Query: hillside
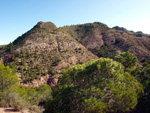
[
  {"x": 106, "y": 42},
  {"x": 44, "y": 51},
  {"x": 72, "y": 54},
  {"x": 39, "y": 55}
]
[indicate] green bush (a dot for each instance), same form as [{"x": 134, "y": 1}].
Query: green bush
[
  {"x": 36, "y": 95},
  {"x": 144, "y": 78},
  {"x": 8, "y": 79},
  {"x": 97, "y": 86},
  {"x": 128, "y": 59}
]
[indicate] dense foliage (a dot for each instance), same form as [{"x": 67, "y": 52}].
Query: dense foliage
[
  {"x": 143, "y": 76},
  {"x": 8, "y": 79},
  {"x": 96, "y": 86},
  {"x": 128, "y": 59}
]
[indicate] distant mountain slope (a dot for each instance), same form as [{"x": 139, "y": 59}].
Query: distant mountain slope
[
  {"x": 106, "y": 42},
  {"x": 90, "y": 34},
  {"x": 138, "y": 33},
  {"x": 122, "y": 41}
]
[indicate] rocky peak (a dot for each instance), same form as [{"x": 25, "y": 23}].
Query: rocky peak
[{"x": 46, "y": 25}]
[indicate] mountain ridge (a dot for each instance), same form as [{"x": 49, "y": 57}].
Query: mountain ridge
[{"x": 138, "y": 33}]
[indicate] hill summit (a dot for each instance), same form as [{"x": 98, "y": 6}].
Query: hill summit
[{"x": 45, "y": 25}]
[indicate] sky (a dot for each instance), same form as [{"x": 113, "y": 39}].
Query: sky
[{"x": 19, "y": 16}]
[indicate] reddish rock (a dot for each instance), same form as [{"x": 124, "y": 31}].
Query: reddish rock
[{"x": 52, "y": 82}]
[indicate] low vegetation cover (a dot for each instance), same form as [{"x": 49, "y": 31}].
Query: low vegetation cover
[
  {"x": 20, "y": 97},
  {"x": 105, "y": 51},
  {"x": 30, "y": 65},
  {"x": 97, "y": 86},
  {"x": 80, "y": 31}
]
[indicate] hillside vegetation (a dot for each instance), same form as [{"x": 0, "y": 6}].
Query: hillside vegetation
[
  {"x": 89, "y": 67},
  {"x": 106, "y": 42},
  {"x": 44, "y": 51}
]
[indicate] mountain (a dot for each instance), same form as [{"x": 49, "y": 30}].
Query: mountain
[
  {"x": 39, "y": 55},
  {"x": 108, "y": 42},
  {"x": 43, "y": 52}
]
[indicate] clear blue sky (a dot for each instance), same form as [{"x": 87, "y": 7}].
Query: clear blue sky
[{"x": 19, "y": 16}]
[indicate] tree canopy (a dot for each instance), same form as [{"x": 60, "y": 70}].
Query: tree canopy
[
  {"x": 128, "y": 59},
  {"x": 96, "y": 86},
  {"x": 8, "y": 78}
]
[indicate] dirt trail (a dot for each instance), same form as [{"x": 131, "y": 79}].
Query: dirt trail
[{"x": 10, "y": 110}]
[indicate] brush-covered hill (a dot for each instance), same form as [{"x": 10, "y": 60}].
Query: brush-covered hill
[
  {"x": 107, "y": 42},
  {"x": 41, "y": 53}
]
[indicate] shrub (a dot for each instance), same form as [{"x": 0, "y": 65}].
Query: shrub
[
  {"x": 96, "y": 86},
  {"x": 128, "y": 59},
  {"x": 8, "y": 79}
]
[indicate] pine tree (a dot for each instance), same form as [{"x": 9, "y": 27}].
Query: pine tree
[{"x": 8, "y": 78}]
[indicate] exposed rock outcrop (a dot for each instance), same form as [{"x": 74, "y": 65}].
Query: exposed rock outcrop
[
  {"x": 36, "y": 82},
  {"x": 52, "y": 82}
]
